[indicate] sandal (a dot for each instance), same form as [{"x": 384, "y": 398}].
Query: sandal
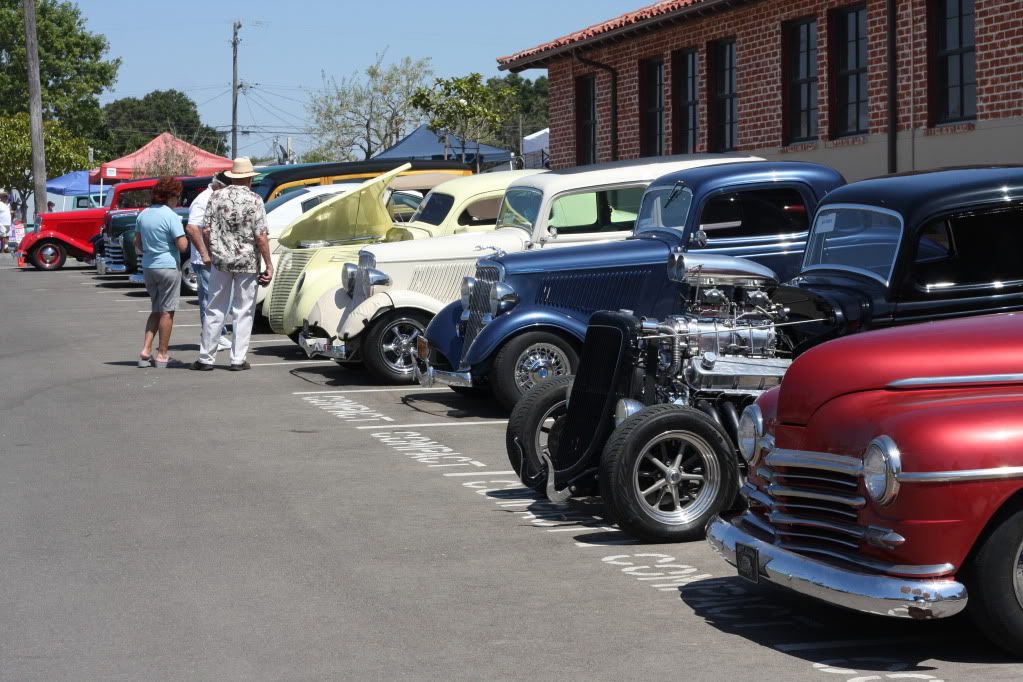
[
  {"x": 163, "y": 365},
  {"x": 145, "y": 362}
]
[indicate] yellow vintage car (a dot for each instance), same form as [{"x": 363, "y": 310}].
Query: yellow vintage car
[{"x": 276, "y": 181}]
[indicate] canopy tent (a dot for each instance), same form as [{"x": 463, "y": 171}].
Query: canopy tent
[
  {"x": 536, "y": 150},
  {"x": 423, "y": 143},
  {"x": 73, "y": 184},
  {"x": 164, "y": 145}
]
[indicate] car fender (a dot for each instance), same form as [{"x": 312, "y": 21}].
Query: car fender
[
  {"x": 322, "y": 311},
  {"x": 354, "y": 321},
  {"x": 501, "y": 329},
  {"x": 318, "y": 286},
  {"x": 443, "y": 334},
  {"x": 75, "y": 246}
]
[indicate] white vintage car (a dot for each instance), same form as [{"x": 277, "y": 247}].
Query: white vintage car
[{"x": 390, "y": 297}]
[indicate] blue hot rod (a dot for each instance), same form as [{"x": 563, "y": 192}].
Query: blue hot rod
[{"x": 522, "y": 318}]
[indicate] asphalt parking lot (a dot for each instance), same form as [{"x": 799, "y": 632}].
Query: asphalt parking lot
[{"x": 298, "y": 521}]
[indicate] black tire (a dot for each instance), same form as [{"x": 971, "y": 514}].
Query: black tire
[
  {"x": 48, "y": 255},
  {"x": 387, "y": 347},
  {"x": 511, "y": 380},
  {"x": 189, "y": 280},
  {"x": 527, "y": 426},
  {"x": 626, "y": 465},
  {"x": 995, "y": 587}
]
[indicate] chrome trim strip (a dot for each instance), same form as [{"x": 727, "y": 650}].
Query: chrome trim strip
[
  {"x": 921, "y": 382},
  {"x": 842, "y": 464},
  {"x": 776, "y": 490},
  {"x": 776, "y": 518},
  {"x": 992, "y": 474},
  {"x": 906, "y": 570},
  {"x": 918, "y": 597}
]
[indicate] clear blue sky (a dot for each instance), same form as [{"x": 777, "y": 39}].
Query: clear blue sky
[{"x": 286, "y": 45}]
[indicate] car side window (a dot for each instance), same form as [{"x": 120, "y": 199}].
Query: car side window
[
  {"x": 481, "y": 212},
  {"x": 610, "y": 210},
  {"x": 83, "y": 202},
  {"x": 968, "y": 250},
  {"x": 135, "y": 198},
  {"x": 754, "y": 213}
]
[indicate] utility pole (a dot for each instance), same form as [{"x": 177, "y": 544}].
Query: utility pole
[
  {"x": 35, "y": 109},
  {"x": 234, "y": 88}
]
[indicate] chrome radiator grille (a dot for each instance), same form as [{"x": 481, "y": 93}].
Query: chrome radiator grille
[
  {"x": 810, "y": 505},
  {"x": 113, "y": 250},
  {"x": 292, "y": 263},
  {"x": 479, "y": 305}
]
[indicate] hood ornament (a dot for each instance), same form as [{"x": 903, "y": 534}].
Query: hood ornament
[{"x": 498, "y": 251}]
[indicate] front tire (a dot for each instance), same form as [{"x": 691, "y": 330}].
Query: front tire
[
  {"x": 48, "y": 256},
  {"x": 189, "y": 279},
  {"x": 995, "y": 585},
  {"x": 527, "y": 361},
  {"x": 389, "y": 343},
  {"x": 665, "y": 472},
  {"x": 534, "y": 427}
]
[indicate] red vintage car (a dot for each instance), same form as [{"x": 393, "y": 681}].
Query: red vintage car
[
  {"x": 72, "y": 233},
  {"x": 885, "y": 475}
]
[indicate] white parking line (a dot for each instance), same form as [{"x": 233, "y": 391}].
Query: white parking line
[
  {"x": 364, "y": 390},
  {"x": 843, "y": 643},
  {"x": 179, "y": 310},
  {"x": 281, "y": 341},
  {"x": 420, "y": 426},
  {"x": 288, "y": 362},
  {"x": 489, "y": 473}
]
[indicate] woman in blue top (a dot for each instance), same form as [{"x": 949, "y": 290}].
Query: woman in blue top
[{"x": 161, "y": 238}]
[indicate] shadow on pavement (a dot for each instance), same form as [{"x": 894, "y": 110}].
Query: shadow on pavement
[{"x": 446, "y": 403}]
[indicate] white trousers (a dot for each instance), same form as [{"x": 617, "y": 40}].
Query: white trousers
[{"x": 237, "y": 291}]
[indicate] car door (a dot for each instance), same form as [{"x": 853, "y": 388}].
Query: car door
[
  {"x": 593, "y": 215},
  {"x": 765, "y": 223},
  {"x": 963, "y": 263},
  {"x": 477, "y": 213}
]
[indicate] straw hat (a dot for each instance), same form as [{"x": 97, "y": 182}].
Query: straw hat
[{"x": 241, "y": 168}]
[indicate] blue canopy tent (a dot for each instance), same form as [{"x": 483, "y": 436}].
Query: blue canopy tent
[
  {"x": 73, "y": 184},
  {"x": 423, "y": 143}
]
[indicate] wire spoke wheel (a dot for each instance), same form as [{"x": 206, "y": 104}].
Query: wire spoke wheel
[
  {"x": 540, "y": 363},
  {"x": 1017, "y": 575}
]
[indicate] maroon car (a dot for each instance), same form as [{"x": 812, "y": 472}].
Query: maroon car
[{"x": 886, "y": 476}]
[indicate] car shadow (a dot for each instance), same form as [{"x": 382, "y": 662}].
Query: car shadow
[
  {"x": 823, "y": 634},
  {"x": 337, "y": 376},
  {"x": 446, "y": 403}
]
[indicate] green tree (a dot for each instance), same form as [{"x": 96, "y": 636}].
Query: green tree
[
  {"x": 527, "y": 113},
  {"x": 464, "y": 110},
  {"x": 132, "y": 122},
  {"x": 362, "y": 114},
  {"x": 64, "y": 153},
  {"x": 72, "y": 67}
]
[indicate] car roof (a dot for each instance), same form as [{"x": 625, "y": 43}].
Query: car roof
[
  {"x": 322, "y": 170},
  {"x": 623, "y": 172},
  {"x": 709, "y": 178},
  {"x": 484, "y": 182},
  {"x": 920, "y": 194}
]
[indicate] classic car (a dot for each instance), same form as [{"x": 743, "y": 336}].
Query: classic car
[
  {"x": 522, "y": 318},
  {"x": 315, "y": 246},
  {"x": 895, "y": 487},
  {"x": 397, "y": 287},
  {"x": 73, "y": 233},
  {"x": 278, "y": 180},
  {"x": 881, "y": 252}
]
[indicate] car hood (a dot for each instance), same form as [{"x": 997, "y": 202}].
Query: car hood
[
  {"x": 872, "y": 361},
  {"x": 623, "y": 253},
  {"x": 358, "y": 215},
  {"x": 471, "y": 245}
]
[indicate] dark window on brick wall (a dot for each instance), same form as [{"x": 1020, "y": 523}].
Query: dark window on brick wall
[
  {"x": 586, "y": 120},
  {"x": 722, "y": 114},
  {"x": 651, "y": 107},
  {"x": 849, "y": 63},
  {"x": 800, "y": 54},
  {"x": 953, "y": 77},
  {"x": 684, "y": 101}
]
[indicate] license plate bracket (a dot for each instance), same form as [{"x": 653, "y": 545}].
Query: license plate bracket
[{"x": 747, "y": 562}]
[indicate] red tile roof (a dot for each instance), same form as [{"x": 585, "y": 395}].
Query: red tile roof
[{"x": 659, "y": 10}]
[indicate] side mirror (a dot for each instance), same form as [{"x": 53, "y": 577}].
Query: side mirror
[
  {"x": 698, "y": 239},
  {"x": 552, "y": 232}
]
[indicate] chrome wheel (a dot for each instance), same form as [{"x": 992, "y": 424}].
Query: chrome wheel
[
  {"x": 189, "y": 280},
  {"x": 398, "y": 340},
  {"x": 676, "y": 477},
  {"x": 49, "y": 254},
  {"x": 538, "y": 364},
  {"x": 1017, "y": 575}
]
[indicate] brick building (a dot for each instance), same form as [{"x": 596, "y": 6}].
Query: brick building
[{"x": 815, "y": 80}]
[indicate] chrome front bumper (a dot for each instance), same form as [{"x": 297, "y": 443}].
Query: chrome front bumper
[
  {"x": 920, "y": 598},
  {"x": 105, "y": 267},
  {"x": 431, "y": 376},
  {"x": 321, "y": 346}
]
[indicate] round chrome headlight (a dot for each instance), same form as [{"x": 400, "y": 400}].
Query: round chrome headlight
[
  {"x": 502, "y": 298},
  {"x": 348, "y": 271},
  {"x": 468, "y": 283},
  {"x": 882, "y": 464},
  {"x": 751, "y": 430}
]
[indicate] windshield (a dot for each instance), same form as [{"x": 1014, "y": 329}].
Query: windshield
[
  {"x": 434, "y": 208},
  {"x": 283, "y": 199},
  {"x": 665, "y": 207},
  {"x": 858, "y": 238},
  {"x": 520, "y": 208},
  {"x": 108, "y": 198}
]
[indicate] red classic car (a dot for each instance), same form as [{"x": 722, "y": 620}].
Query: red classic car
[{"x": 886, "y": 476}]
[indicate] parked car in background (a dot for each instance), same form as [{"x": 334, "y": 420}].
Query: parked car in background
[
  {"x": 895, "y": 486},
  {"x": 277, "y": 180},
  {"x": 72, "y": 233},
  {"x": 890, "y": 251},
  {"x": 314, "y": 248},
  {"x": 523, "y": 317},
  {"x": 397, "y": 287}
]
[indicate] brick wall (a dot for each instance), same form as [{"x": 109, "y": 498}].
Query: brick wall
[{"x": 757, "y": 29}]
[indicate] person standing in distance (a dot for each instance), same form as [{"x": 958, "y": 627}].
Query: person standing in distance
[
  {"x": 237, "y": 235},
  {"x": 5, "y": 220},
  {"x": 161, "y": 239},
  {"x": 201, "y": 263}
]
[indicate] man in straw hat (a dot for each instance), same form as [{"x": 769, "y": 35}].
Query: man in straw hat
[{"x": 236, "y": 231}]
